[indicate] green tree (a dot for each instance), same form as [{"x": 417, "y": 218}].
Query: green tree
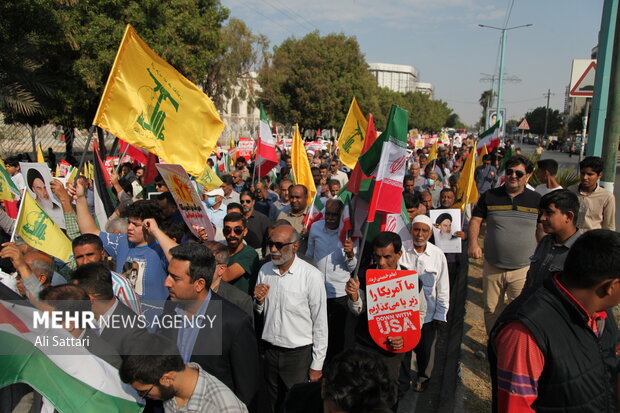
[
  {"x": 229, "y": 74},
  {"x": 78, "y": 40},
  {"x": 454, "y": 121},
  {"x": 426, "y": 114},
  {"x": 25, "y": 81},
  {"x": 536, "y": 120},
  {"x": 312, "y": 80}
]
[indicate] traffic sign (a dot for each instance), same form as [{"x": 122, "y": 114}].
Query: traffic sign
[
  {"x": 524, "y": 125},
  {"x": 582, "y": 78}
]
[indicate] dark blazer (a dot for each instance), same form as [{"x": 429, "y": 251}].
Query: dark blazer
[
  {"x": 102, "y": 349},
  {"x": 227, "y": 351},
  {"x": 237, "y": 297},
  {"x": 122, "y": 338}
]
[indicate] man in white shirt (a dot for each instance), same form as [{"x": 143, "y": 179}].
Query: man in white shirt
[
  {"x": 336, "y": 173},
  {"x": 230, "y": 195},
  {"x": 336, "y": 261},
  {"x": 430, "y": 263},
  {"x": 545, "y": 172},
  {"x": 216, "y": 210},
  {"x": 290, "y": 294}
]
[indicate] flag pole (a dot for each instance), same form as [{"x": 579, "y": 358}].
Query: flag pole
[
  {"x": 309, "y": 213},
  {"x": 90, "y": 138},
  {"x": 19, "y": 213},
  {"x": 120, "y": 160},
  {"x": 359, "y": 259}
]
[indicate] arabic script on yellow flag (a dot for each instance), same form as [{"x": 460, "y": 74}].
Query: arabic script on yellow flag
[
  {"x": 209, "y": 179},
  {"x": 147, "y": 103},
  {"x": 39, "y": 231}
]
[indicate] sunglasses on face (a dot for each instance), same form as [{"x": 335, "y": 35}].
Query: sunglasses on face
[
  {"x": 519, "y": 174},
  {"x": 246, "y": 201},
  {"x": 278, "y": 245},
  {"x": 159, "y": 185},
  {"x": 229, "y": 230}
]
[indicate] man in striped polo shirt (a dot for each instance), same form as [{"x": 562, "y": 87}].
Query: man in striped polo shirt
[
  {"x": 511, "y": 212},
  {"x": 88, "y": 248}
]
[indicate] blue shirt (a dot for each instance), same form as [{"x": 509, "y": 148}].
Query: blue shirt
[
  {"x": 216, "y": 216},
  {"x": 186, "y": 339},
  {"x": 149, "y": 260}
]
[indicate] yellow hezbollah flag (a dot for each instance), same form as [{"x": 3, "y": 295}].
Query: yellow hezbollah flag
[
  {"x": 39, "y": 231},
  {"x": 301, "y": 168},
  {"x": 484, "y": 152},
  {"x": 432, "y": 155},
  {"x": 147, "y": 103},
  {"x": 466, "y": 190},
  {"x": 40, "y": 157},
  {"x": 209, "y": 179},
  {"x": 6, "y": 184},
  {"x": 351, "y": 139}
]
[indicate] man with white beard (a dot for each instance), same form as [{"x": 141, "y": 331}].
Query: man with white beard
[
  {"x": 430, "y": 263},
  {"x": 290, "y": 294},
  {"x": 36, "y": 183}
]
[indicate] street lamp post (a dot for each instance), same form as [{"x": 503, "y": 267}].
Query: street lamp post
[{"x": 501, "y": 62}]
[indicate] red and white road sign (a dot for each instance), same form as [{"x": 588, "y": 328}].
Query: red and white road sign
[
  {"x": 582, "y": 78},
  {"x": 524, "y": 125}
]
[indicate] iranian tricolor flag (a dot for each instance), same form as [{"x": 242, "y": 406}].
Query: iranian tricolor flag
[
  {"x": 315, "y": 213},
  {"x": 266, "y": 156},
  {"x": 489, "y": 137},
  {"x": 386, "y": 160},
  {"x": 399, "y": 223},
  {"x": 75, "y": 382}
]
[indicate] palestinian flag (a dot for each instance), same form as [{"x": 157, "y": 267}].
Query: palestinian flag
[
  {"x": 105, "y": 199},
  {"x": 74, "y": 382},
  {"x": 266, "y": 156}
]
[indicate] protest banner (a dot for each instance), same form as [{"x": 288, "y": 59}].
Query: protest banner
[
  {"x": 191, "y": 207},
  {"x": 393, "y": 303},
  {"x": 245, "y": 148}
]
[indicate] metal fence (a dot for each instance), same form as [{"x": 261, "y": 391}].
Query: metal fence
[{"x": 19, "y": 138}]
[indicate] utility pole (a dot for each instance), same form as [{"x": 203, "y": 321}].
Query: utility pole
[
  {"x": 548, "y": 95},
  {"x": 612, "y": 124}
]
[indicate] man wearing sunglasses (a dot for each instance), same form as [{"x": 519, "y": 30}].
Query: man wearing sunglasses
[
  {"x": 511, "y": 212},
  {"x": 290, "y": 294},
  {"x": 243, "y": 262},
  {"x": 256, "y": 223}
]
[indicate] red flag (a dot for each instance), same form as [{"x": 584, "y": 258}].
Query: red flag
[
  {"x": 138, "y": 154},
  {"x": 357, "y": 176}
]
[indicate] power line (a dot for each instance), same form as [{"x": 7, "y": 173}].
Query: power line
[
  {"x": 293, "y": 12},
  {"x": 289, "y": 15}
]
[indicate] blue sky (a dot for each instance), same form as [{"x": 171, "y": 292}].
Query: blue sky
[{"x": 442, "y": 40}]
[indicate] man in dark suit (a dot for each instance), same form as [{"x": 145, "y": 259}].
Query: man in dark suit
[
  {"x": 118, "y": 325},
  {"x": 214, "y": 333},
  {"x": 70, "y": 299}
]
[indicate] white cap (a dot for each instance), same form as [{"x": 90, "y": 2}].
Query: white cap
[
  {"x": 310, "y": 152},
  {"x": 216, "y": 192},
  {"x": 423, "y": 219}
]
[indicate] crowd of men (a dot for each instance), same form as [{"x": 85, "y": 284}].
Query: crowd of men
[{"x": 291, "y": 318}]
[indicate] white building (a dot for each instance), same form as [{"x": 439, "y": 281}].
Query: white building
[
  {"x": 399, "y": 78},
  {"x": 425, "y": 87},
  {"x": 240, "y": 115}
]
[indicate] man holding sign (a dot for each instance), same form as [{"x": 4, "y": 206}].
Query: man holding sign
[{"x": 400, "y": 334}]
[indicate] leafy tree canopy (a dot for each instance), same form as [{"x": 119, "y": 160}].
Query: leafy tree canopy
[
  {"x": 312, "y": 80},
  {"x": 76, "y": 43},
  {"x": 536, "y": 120}
]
